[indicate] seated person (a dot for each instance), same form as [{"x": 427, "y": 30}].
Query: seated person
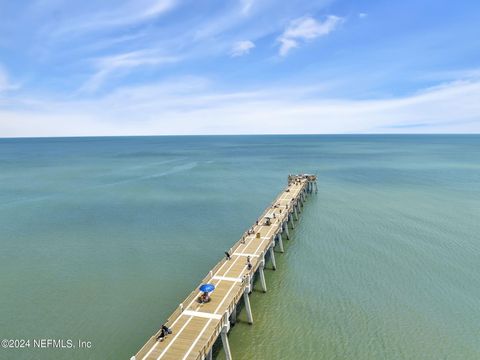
[
  {"x": 162, "y": 334},
  {"x": 204, "y": 298},
  {"x": 167, "y": 329}
]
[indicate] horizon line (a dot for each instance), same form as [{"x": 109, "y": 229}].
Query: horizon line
[{"x": 219, "y": 135}]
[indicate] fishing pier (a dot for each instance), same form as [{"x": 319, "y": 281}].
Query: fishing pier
[{"x": 196, "y": 326}]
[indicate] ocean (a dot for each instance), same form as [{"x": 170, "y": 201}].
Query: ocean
[{"x": 101, "y": 238}]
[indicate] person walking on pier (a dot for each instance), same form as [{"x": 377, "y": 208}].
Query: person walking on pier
[
  {"x": 227, "y": 255},
  {"x": 249, "y": 264}
]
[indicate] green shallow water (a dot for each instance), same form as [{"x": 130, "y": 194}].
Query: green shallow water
[{"x": 101, "y": 238}]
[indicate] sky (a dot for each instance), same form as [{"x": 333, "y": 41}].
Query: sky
[{"x": 163, "y": 67}]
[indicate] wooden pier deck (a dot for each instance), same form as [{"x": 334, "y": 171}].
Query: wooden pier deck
[{"x": 195, "y": 326}]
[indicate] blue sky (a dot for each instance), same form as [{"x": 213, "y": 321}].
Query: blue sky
[{"x": 145, "y": 67}]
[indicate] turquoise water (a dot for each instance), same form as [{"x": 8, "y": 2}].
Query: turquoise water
[{"x": 101, "y": 238}]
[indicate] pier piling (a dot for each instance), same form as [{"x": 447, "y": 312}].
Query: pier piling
[
  {"x": 246, "y": 301},
  {"x": 280, "y": 242}
]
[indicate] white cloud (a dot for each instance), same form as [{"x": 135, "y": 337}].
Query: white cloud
[
  {"x": 241, "y": 48},
  {"x": 246, "y": 6},
  {"x": 122, "y": 63},
  {"x": 304, "y": 29},
  {"x": 5, "y": 82},
  {"x": 362, "y": 15},
  {"x": 287, "y": 45},
  {"x": 156, "y": 8},
  {"x": 191, "y": 106},
  {"x": 124, "y": 13}
]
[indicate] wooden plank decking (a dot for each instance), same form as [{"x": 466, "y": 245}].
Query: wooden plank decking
[{"x": 195, "y": 327}]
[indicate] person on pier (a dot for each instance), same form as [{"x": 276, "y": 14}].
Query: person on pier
[
  {"x": 204, "y": 298},
  {"x": 249, "y": 263},
  {"x": 164, "y": 331}
]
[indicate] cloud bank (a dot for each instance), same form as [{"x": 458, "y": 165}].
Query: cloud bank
[{"x": 190, "y": 106}]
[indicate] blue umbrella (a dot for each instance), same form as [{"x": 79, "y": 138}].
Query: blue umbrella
[{"x": 207, "y": 288}]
